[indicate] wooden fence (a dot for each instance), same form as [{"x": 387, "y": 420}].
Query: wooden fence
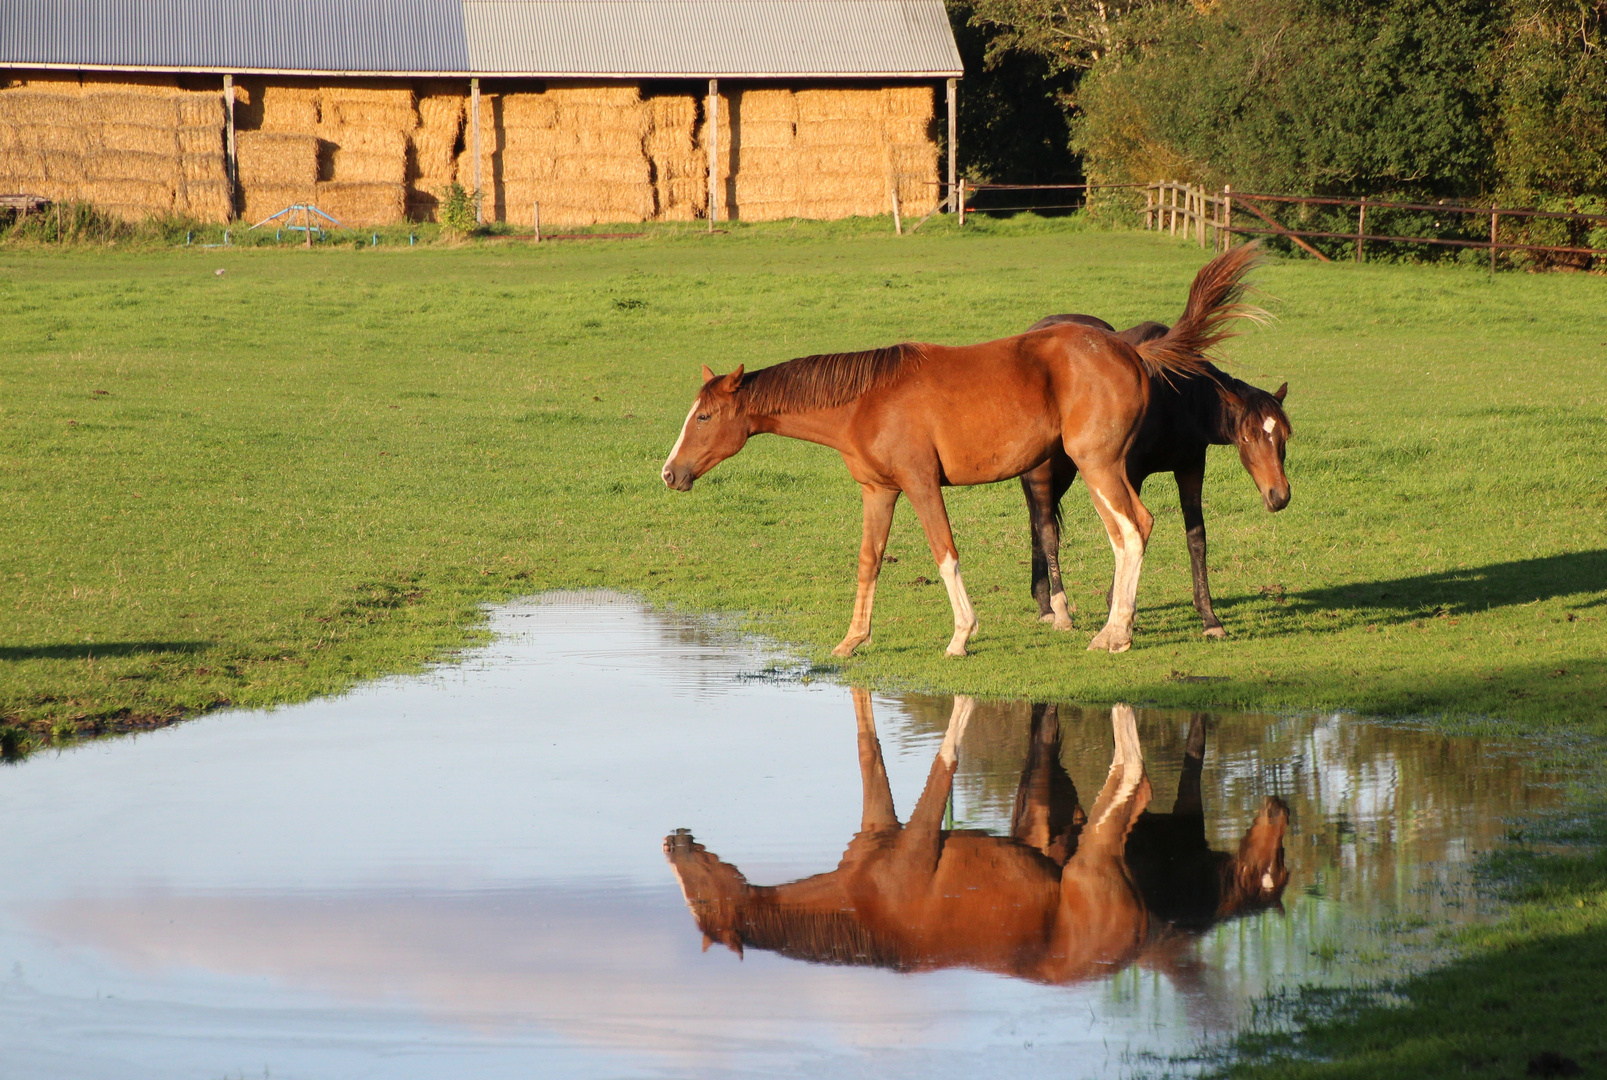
[{"x": 1196, "y": 212}]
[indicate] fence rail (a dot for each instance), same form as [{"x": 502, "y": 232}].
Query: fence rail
[{"x": 1197, "y": 211}]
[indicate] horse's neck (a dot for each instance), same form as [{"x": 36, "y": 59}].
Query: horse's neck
[
  {"x": 828, "y": 427},
  {"x": 1221, "y": 410}
]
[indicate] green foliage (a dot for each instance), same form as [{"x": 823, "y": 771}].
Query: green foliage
[
  {"x": 460, "y": 208},
  {"x": 1013, "y": 118},
  {"x": 1322, "y": 96},
  {"x": 1550, "y": 117}
]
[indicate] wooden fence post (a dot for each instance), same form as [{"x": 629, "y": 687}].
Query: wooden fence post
[
  {"x": 962, "y": 202},
  {"x": 1361, "y": 228},
  {"x": 1227, "y": 214},
  {"x": 1493, "y": 216},
  {"x": 1199, "y": 204},
  {"x": 1172, "y": 214},
  {"x": 1149, "y": 200},
  {"x": 535, "y": 218},
  {"x": 892, "y": 193}
]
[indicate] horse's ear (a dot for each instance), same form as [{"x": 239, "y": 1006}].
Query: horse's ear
[
  {"x": 1280, "y": 392},
  {"x": 733, "y": 381},
  {"x": 707, "y": 374}
]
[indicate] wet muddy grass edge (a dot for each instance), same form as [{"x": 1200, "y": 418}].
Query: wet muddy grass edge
[{"x": 312, "y": 470}]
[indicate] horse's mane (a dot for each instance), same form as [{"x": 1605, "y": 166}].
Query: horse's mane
[
  {"x": 821, "y": 937},
  {"x": 826, "y": 381}
]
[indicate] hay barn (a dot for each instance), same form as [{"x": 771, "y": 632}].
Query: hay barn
[{"x": 597, "y": 110}]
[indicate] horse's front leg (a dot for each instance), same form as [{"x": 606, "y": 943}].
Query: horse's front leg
[
  {"x": 879, "y": 504},
  {"x": 1190, "y": 486},
  {"x": 1127, "y": 524},
  {"x": 927, "y": 499}
]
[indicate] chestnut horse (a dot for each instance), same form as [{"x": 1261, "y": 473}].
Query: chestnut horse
[
  {"x": 1185, "y": 415},
  {"x": 914, "y": 418},
  {"x": 1055, "y": 902}
]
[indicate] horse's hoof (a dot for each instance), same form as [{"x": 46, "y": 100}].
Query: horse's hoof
[
  {"x": 1108, "y": 640},
  {"x": 846, "y": 649},
  {"x": 1215, "y": 632},
  {"x": 1063, "y": 624},
  {"x": 1047, "y": 616}
]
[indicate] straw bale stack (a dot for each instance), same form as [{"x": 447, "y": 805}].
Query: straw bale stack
[
  {"x": 367, "y": 128},
  {"x": 580, "y": 150},
  {"x": 433, "y": 164},
  {"x": 363, "y": 203},
  {"x": 679, "y": 171},
  {"x": 134, "y": 145}
]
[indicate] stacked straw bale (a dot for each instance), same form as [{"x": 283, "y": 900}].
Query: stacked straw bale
[
  {"x": 365, "y": 132},
  {"x": 432, "y": 166},
  {"x": 135, "y": 146},
  {"x": 580, "y": 150},
  {"x": 680, "y": 170}
]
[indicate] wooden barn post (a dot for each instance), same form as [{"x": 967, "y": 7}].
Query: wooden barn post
[
  {"x": 954, "y": 135},
  {"x": 474, "y": 113},
  {"x": 714, "y": 152},
  {"x": 231, "y": 166}
]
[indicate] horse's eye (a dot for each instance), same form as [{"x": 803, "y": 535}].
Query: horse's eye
[{"x": 703, "y": 418}]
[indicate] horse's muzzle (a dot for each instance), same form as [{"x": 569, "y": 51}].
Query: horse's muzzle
[
  {"x": 1276, "y": 498},
  {"x": 677, "y": 479}
]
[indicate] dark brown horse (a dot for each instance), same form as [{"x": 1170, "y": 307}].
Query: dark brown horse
[
  {"x": 912, "y": 419},
  {"x": 1056, "y": 901},
  {"x": 1186, "y": 414}
]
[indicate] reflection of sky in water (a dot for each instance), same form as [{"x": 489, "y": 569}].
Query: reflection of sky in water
[{"x": 461, "y": 874}]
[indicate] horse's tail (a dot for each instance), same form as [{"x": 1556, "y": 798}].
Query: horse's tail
[{"x": 1215, "y": 299}]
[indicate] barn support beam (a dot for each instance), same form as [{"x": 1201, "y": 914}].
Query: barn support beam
[
  {"x": 231, "y": 163},
  {"x": 474, "y": 124},
  {"x": 954, "y": 136},
  {"x": 714, "y": 152}
]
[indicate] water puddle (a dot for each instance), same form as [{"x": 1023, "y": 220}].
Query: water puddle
[{"x": 512, "y": 866}]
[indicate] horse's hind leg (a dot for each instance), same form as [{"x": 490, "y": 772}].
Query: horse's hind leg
[
  {"x": 1035, "y": 486},
  {"x": 1043, "y": 487},
  {"x": 1127, "y": 524},
  {"x": 877, "y": 812},
  {"x": 878, "y": 504},
  {"x": 1190, "y": 484},
  {"x": 927, "y": 499},
  {"x": 1046, "y": 814}
]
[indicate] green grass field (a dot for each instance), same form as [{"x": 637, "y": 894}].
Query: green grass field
[
  {"x": 311, "y": 470},
  {"x": 270, "y": 484}
]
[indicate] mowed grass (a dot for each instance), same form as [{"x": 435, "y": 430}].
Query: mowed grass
[{"x": 255, "y": 487}]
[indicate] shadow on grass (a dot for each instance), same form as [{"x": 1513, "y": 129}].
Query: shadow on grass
[
  {"x": 99, "y": 651},
  {"x": 1529, "y": 998},
  {"x": 1469, "y": 590}
]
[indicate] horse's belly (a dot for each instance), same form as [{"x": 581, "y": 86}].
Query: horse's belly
[{"x": 981, "y": 462}]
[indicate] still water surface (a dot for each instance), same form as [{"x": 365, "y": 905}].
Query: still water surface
[{"x": 465, "y": 873}]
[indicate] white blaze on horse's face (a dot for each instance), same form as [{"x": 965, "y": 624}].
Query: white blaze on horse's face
[{"x": 716, "y": 427}]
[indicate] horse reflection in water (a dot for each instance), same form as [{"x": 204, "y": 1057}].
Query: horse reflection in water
[{"x": 1066, "y": 896}]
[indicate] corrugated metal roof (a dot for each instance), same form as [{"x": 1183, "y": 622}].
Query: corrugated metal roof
[
  {"x": 577, "y": 38},
  {"x": 236, "y": 35},
  {"x": 711, "y": 37}
]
